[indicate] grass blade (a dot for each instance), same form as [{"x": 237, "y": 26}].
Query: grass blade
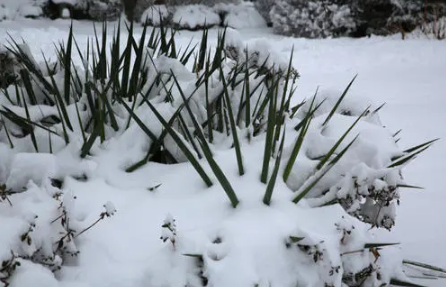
[
  {"x": 428, "y": 143},
  {"x": 224, "y": 182},
  {"x": 181, "y": 145},
  {"x": 339, "y": 101},
  {"x": 378, "y": 245},
  {"x": 336, "y": 145},
  {"x": 67, "y": 65},
  {"x": 269, "y": 133},
  {"x": 424, "y": 265},
  {"x": 234, "y": 133},
  {"x": 272, "y": 180},
  {"x": 309, "y": 184},
  {"x": 297, "y": 147},
  {"x": 11, "y": 145},
  {"x": 397, "y": 282}
]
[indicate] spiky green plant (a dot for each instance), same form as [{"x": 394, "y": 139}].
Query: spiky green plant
[{"x": 103, "y": 97}]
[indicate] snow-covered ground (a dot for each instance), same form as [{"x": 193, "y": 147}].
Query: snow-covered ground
[{"x": 410, "y": 76}]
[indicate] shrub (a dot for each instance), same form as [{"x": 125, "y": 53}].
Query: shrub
[
  {"x": 200, "y": 16},
  {"x": 95, "y": 10},
  {"x": 318, "y": 19},
  {"x": 264, "y": 7},
  {"x": 334, "y": 18}
]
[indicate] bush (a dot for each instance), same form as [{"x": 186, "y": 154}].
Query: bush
[
  {"x": 140, "y": 7},
  {"x": 195, "y": 17},
  {"x": 333, "y": 18},
  {"x": 199, "y": 16},
  {"x": 318, "y": 19},
  {"x": 95, "y": 10},
  {"x": 264, "y": 7},
  {"x": 306, "y": 169}
]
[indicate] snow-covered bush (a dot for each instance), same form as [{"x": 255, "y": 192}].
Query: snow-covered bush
[
  {"x": 264, "y": 7},
  {"x": 312, "y": 19},
  {"x": 240, "y": 16},
  {"x": 42, "y": 224},
  {"x": 198, "y": 16},
  {"x": 327, "y": 18},
  {"x": 194, "y": 17},
  {"x": 155, "y": 15},
  {"x": 201, "y": 2},
  {"x": 305, "y": 178},
  {"x": 96, "y": 10},
  {"x": 12, "y": 9},
  {"x": 435, "y": 29},
  {"x": 142, "y": 6}
]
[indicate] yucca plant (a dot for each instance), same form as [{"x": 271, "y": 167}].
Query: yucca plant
[{"x": 188, "y": 104}]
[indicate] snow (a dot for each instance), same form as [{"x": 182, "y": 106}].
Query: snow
[
  {"x": 27, "y": 166},
  {"x": 5, "y": 13},
  {"x": 250, "y": 242}
]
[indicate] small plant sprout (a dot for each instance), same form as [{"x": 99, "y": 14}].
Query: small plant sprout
[
  {"x": 5, "y": 193},
  {"x": 110, "y": 210},
  {"x": 169, "y": 230},
  {"x": 7, "y": 269}
]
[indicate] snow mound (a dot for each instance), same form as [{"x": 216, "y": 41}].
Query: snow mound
[{"x": 25, "y": 166}]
